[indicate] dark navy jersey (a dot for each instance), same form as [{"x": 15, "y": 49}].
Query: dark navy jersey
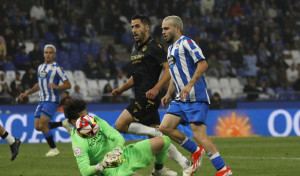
[{"x": 146, "y": 66}]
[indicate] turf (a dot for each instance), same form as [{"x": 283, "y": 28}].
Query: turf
[{"x": 255, "y": 156}]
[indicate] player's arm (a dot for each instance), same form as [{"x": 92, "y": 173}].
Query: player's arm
[
  {"x": 152, "y": 93},
  {"x": 111, "y": 133},
  {"x": 35, "y": 88},
  {"x": 171, "y": 89},
  {"x": 200, "y": 70},
  {"x": 124, "y": 87},
  {"x": 66, "y": 85}
]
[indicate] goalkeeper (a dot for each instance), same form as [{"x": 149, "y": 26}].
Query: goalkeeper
[{"x": 92, "y": 153}]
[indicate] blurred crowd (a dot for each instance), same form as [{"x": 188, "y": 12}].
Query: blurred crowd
[{"x": 255, "y": 41}]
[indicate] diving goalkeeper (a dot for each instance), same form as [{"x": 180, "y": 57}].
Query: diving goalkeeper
[{"x": 97, "y": 155}]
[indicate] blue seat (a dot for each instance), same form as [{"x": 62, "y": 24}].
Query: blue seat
[
  {"x": 74, "y": 46},
  {"x": 49, "y": 37},
  {"x": 94, "y": 48},
  {"x": 84, "y": 46}
]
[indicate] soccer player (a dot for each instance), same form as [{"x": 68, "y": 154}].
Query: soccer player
[
  {"x": 90, "y": 152},
  {"x": 187, "y": 66},
  {"x": 12, "y": 141},
  {"x": 141, "y": 117},
  {"x": 49, "y": 74}
]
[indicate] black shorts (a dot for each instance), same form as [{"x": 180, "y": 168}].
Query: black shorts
[{"x": 145, "y": 111}]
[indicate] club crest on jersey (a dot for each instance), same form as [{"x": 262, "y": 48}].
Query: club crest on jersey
[
  {"x": 144, "y": 48},
  {"x": 43, "y": 74},
  {"x": 77, "y": 151}
]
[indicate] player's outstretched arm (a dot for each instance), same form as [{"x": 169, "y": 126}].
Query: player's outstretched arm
[{"x": 29, "y": 92}]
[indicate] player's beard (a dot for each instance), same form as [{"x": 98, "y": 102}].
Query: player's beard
[
  {"x": 141, "y": 37},
  {"x": 170, "y": 39}
]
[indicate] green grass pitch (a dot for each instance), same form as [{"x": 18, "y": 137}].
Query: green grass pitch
[{"x": 250, "y": 156}]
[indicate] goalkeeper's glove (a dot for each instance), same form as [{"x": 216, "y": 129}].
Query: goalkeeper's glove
[{"x": 111, "y": 159}]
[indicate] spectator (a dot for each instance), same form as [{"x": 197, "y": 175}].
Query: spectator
[
  {"x": 12, "y": 47},
  {"x": 72, "y": 30},
  {"x": 34, "y": 30},
  {"x": 3, "y": 50},
  {"x": 14, "y": 84},
  {"x": 296, "y": 85},
  {"x": 89, "y": 33},
  {"x": 17, "y": 92},
  {"x": 63, "y": 40},
  {"x": 77, "y": 94},
  {"x": 250, "y": 61},
  {"x": 90, "y": 68},
  {"x": 22, "y": 60},
  {"x": 5, "y": 95},
  {"x": 2, "y": 79},
  {"x": 8, "y": 64},
  {"x": 37, "y": 11},
  {"x": 214, "y": 66},
  {"x": 36, "y": 56},
  {"x": 106, "y": 96},
  {"x": 216, "y": 102},
  {"x": 263, "y": 55},
  {"x": 29, "y": 79},
  {"x": 51, "y": 21},
  {"x": 226, "y": 69},
  {"x": 251, "y": 90}
]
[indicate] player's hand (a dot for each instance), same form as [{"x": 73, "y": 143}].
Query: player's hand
[
  {"x": 164, "y": 100},
  {"x": 52, "y": 86},
  {"x": 185, "y": 92},
  {"x": 22, "y": 96},
  {"x": 112, "y": 159},
  {"x": 117, "y": 92},
  {"x": 151, "y": 94}
]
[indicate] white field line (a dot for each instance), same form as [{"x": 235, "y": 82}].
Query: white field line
[{"x": 260, "y": 158}]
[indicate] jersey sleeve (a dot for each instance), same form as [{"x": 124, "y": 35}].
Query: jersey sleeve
[
  {"x": 61, "y": 74},
  {"x": 194, "y": 50},
  {"x": 157, "y": 51},
  {"x": 80, "y": 149},
  {"x": 111, "y": 133}
]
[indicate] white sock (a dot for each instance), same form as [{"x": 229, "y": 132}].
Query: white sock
[
  {"x": 10, "y": 139},
  {"x": 175, "y": 155},
  {"x": 140, "y": 129}
]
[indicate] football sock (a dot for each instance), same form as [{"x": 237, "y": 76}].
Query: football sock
[
  {"x": 161, "y": 156},
  {"x": 55, "y": 124},
  {"x": 9, "y": 138},
  {"x": 158, "y": 166},
  {"x": 49, "y": 138},
  {"x": 140, "y": 129},
  {"x": 189, "y": 145},
  {"x": 217, "y": 161},
  {"x": 175, "y": 155}
]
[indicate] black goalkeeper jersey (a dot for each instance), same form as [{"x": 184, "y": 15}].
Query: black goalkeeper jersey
[{"x": 146, "y": 66}]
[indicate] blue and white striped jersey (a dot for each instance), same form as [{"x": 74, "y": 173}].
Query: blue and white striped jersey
[
  {"x": 50, "y": 73},
  {"x": 183, "y": 56}
]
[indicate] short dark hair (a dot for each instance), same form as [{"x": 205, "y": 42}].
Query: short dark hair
[
  {"x": 73, "y": 108},
  {"x": 144, "y": 19}
]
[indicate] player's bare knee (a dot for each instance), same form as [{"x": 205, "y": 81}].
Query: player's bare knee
[{"x": 121, "y": 128}]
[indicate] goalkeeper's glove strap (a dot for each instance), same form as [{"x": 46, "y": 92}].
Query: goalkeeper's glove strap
[{"x": 99, "y": 167}]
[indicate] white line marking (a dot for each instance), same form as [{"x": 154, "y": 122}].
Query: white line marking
[{"x": 259, "y": 158}]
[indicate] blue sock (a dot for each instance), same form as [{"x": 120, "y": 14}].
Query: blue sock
[
  {"x": 189, "y": 145},
  {"x": 217, "y": 161}
]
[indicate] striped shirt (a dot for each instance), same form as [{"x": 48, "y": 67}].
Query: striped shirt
[
  {"x": 50, "y": 73},
  {"x": 183, "y": 56}
]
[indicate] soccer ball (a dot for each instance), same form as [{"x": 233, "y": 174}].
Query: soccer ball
[{"x": 87, "y": 126}]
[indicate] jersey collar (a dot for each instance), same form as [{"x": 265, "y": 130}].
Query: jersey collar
[{"x": 143, "y": 44}]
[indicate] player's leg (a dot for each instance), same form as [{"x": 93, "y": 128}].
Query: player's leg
[
  {"x": 65, "y": 123},
  {"x": 123, "y": 121},
  {"x": 13, "y": 142},
  {"x": 43, "y": 115},
  {"x": 200, "y": 136}
]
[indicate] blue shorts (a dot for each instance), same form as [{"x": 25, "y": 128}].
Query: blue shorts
[
  {"x": 47, "y": 109},
  {"x": 189, "y": 112}
]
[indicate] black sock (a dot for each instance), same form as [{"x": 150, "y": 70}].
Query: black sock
[
  {"x": 55, "y": 124},
  {"x": 158, "y": 166},
  {"x": 4, "y": 135},
  {"x": 50, "y": 141}
]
